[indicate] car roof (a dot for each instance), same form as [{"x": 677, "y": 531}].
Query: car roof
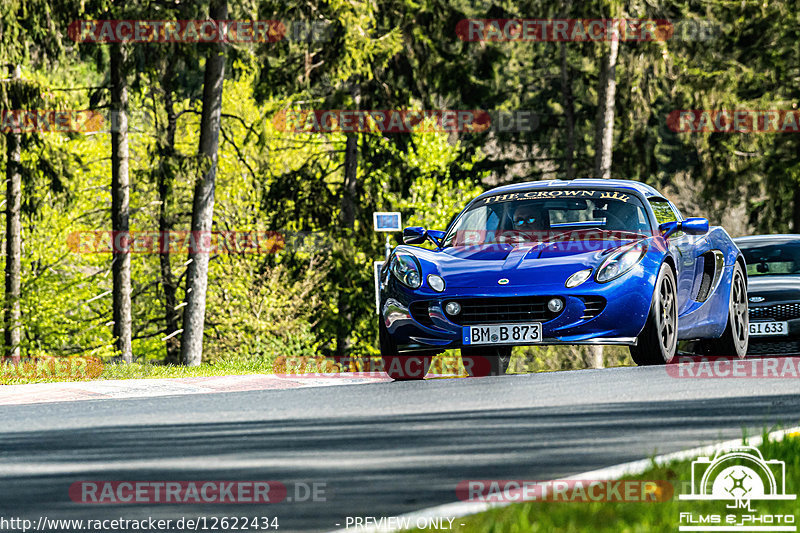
[
  {"x": 755, "y": 240},
  {"x": 646, "y": 190}
]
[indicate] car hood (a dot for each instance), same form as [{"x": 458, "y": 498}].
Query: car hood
[
  {"x": 521, "y": 264},
  {"x": 773, "y": 288}
]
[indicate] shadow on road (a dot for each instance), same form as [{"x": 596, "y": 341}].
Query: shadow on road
[{"x": 370, "y": 465}]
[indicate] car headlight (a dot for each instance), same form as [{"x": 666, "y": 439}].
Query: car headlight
[
  {"x": 578, "y": 277},
  {"x": 436, "y": 282},
  {"x": 620, "y": 262},
  {"x": 405, "y": 268}
]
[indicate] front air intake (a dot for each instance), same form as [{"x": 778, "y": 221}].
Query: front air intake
[{"x": 592, "y": 306}]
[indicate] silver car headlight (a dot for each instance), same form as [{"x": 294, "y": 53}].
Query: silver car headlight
[
  {"x": 621, "y": 261},
  {"x": 406, "y": 269},
  {"x": 436, "y": 282},
  {"x": 578, "y": 277}
]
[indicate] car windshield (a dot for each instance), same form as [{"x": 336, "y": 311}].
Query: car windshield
[
  {"x": 536, "y": 216},
  {"x": 771, "y": 259}
]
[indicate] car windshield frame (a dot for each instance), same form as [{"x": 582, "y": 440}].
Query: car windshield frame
[{"x": 596, "y": 196}]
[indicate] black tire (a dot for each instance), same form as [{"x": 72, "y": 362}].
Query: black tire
[
  {"x": 410, "y": 367},
  {"x": 736, "y": 337},
  {"x": 486, "y": 361},
  {"x": 385, "y": 343},
  {"x": 658, "y": 341}
]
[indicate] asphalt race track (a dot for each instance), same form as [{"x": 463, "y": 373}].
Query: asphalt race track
[{"x": 380, "y": 449}]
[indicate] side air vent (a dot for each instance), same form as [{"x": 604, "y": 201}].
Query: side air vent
[
  {"x": 713, "y": 263},
  {"x": 592, "y": 306},
  {"x": 419, "y": 310}
]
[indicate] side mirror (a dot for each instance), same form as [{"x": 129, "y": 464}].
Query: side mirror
[
  {"x": 414, "y": 235},
  {"x": 692, "y": 226},
  {"x": 695, "y": 226},
  {"x": 436, "y": 236},
  {"x": 669, "y": 228}
]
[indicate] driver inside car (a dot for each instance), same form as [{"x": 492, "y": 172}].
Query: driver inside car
[{"x": 529, "y": 222}]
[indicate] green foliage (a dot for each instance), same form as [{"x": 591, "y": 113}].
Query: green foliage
[
  {"x": 434, "y": 195},
  {"x": 397, "y": 54},
  {"x": 362, "y": 50},
  {"x": 261, "y": 315}
]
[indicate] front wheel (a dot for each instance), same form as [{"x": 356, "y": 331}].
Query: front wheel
[
  {"x": 410, "y": 367},
  {"x": 658, "y": 341},
  {"x": 385, "y": 342},
  {"x": 737, "y": 329}
]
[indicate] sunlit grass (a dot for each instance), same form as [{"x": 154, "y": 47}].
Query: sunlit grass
[
  {"x": 224, "y": 367},
  {"x": 580, "y": 517},
  {"x": 447, "y": 365},
  {"x": 85, "y": 369}
]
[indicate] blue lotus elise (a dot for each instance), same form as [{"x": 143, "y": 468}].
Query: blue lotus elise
[{"x": 584, "y": 261}]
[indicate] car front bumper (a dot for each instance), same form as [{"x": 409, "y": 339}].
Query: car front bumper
[{"x": 608, "y": 313}]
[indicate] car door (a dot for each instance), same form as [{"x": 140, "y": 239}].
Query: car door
[{"x": 683, "y": 250}]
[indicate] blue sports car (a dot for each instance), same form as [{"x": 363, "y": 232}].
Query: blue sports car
[{"x": 585, "y": 261}]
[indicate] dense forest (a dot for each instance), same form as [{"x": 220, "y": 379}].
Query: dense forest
[{"x": 171, "y": 198}]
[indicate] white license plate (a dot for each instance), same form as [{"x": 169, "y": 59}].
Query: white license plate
[
  {"x": 765, "y": 329},
  {"x": 503, "y": 334}
]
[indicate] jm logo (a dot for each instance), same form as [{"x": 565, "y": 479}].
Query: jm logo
[
  {"x": 741, "y": 504},
  {"x": 740, "y": 474}
]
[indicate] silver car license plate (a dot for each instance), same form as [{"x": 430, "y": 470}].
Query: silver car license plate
[
  {"x": 766, "y": 329},
  {"x": 503, "y": 334}
]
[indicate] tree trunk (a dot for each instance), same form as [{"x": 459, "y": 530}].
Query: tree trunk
[
  {"x": 166, "y": 179},
  {"x": 347, "y": 214},
  {"x": 569, "y": 114},
  {"x": 605, "y": 111},
  {"x": 203, "y": 204},
  {"x": 347, "y": 218},
  {"x": 13, "y": 271},
  {"x": 348, "y": 206},
  {"x": 120, "y": 206},
  {"x": 604, "y": 142}
]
